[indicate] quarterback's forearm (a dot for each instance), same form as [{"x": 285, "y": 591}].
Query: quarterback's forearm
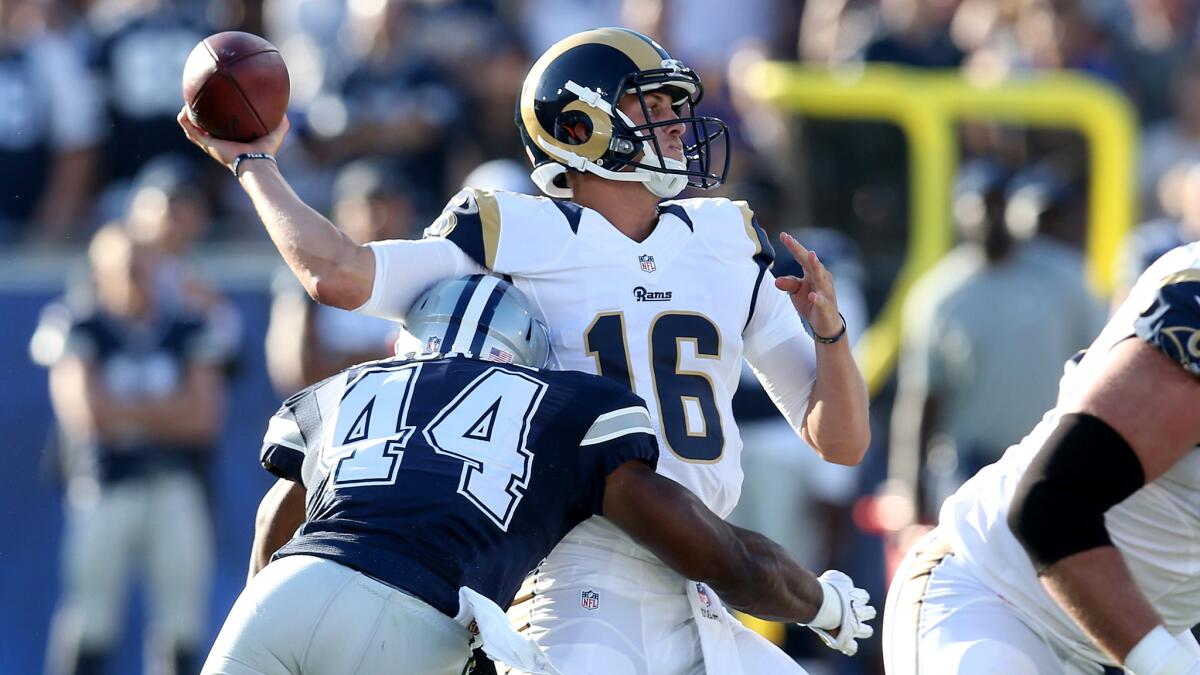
[
  {"x": 333, "y": 269},
  {"x": 1097, "y": 590},
  {"x": 836, "y": 424}
]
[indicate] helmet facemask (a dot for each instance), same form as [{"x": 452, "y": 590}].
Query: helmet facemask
[{"x": 685, "y": 91}]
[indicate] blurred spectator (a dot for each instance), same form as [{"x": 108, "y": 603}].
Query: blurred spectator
[
  {"x": 393, "y": 101},
  {"x": 490, "y": 79},
  {"x": 307, "y": 342},
  {"x": 167, "y": 212},
  {"x": 915, "y": 33},
  {"x": 49, "y": 127},
  {"x": 1152, "y": 41},
  {"x": 544, "y": 22},
  {"x": 138, "y": 390},
  {"x": 502, "y": 174},
  {"x": 1149, "y": 240},
  {"x": 1173, "y": 140},
  {"x": 141, "y": 47},
  {"x": 705, "y": 33},
  {"x": 985, "y": 334},
  {"x": 1003, "y": 37}
]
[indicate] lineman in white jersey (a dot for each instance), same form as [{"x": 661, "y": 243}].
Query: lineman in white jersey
[
  {"x": 1080, "y": 547},
  {"x": 665, "y": 297}
]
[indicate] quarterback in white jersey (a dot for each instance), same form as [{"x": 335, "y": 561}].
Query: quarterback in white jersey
[
  {"x": 1080, "y": 547},
  {"x": 665, "y": 297}
]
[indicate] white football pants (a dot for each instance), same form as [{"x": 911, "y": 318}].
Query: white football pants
[
  {"x": 612, "y": 609},
  {"x": 303, "y": 615},
  {"x": 940, "y": 619},
  {"x": 159, "y": 525}
]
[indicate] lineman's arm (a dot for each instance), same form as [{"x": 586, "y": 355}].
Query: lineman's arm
[
  {"x": 280, "y": 513},
  {"x": 748, "y": 571},
  {"x": 1095, "y": 586}
]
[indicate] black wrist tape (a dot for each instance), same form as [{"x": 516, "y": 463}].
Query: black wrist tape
[{"x": 1084, "y": 469}]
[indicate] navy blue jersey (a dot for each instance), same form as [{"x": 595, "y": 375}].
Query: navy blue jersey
[
  {"x": 139, "y": 62},
  {"x": 135, "y": 361},
  {"x": 430, "y": 475}
]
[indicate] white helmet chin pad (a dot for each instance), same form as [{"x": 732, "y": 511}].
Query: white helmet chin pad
[{"x": 665, "y": 185}]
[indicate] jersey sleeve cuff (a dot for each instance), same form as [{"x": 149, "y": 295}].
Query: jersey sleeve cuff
[{"x": 283, "y": 462}]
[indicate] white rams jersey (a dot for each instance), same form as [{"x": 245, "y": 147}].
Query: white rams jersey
[
  {"x": 1157, "y": 529},
  {"x": 671, "y": 317}
]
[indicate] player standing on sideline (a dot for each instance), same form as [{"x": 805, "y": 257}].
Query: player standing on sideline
[
  {"x": 1100, "y": 504},
  {"x": 138, "y": 389},
  {"x": 607, "y": 119},
  {"x": 436, "y": 480}
]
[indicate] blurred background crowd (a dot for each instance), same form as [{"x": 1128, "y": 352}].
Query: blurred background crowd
[{"x": 136, "y": 276}]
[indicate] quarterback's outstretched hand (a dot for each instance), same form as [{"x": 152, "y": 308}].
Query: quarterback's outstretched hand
[
  {"x": 813, "y": 295},
  {"x": 225, "y": 151},
  {"x": 842, "y": 619}
]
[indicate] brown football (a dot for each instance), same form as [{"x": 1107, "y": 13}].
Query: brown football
[{"x": 236, "y": 86}]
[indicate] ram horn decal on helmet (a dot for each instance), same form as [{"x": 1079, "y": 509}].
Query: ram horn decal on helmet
[{"x": 580, "y": 81}]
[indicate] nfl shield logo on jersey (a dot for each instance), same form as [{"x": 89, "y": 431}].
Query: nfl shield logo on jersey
[
  {"x": 702, "y": 592},
  {"x": 589, "y": 599},
  {"x": 647, "y": 262}
]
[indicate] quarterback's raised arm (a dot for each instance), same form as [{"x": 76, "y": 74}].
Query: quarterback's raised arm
[
  {"x": 333, "y": 269},
  {"x": 749, "y": 571},
  {"x": 1127, "y": 428}
]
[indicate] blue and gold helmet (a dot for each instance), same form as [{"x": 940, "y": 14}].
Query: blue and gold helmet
[
  {"x": 481, "y": 316},
  {"x": 580, "y": 80}
]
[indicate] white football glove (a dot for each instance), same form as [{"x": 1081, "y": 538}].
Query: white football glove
[{"x": 845, "y": 609}]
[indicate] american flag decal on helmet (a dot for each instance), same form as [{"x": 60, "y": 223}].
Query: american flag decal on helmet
[{"x": 499, "y": 355}]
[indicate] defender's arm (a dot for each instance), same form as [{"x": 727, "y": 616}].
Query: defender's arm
[
  {"x": 280, "y": 513},
  {"x": 748, "y": 571}
]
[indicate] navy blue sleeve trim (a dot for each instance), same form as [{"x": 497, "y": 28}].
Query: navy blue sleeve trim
[
  {"x": 679, "y": 212},
  {"x": 606, "y": 457},
  {"x": 283, "y": 462},
  {"x": 763, "y": 258},
  {"x": 571, "y": 211}
]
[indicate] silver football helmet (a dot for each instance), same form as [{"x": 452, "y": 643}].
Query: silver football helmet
[{"x": 481, "y": 316}]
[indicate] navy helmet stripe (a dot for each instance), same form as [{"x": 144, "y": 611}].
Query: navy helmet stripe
[
  {"x": 460, "y": 309},
  {"x": 485, "y": 318}
]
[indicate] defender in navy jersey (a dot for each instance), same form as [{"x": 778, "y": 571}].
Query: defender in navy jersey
[{"x": 434, "y": 482}]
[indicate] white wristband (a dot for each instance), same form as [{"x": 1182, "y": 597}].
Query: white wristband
[
  {"x": 1159, "y": 653},
  {"x": 829, "y": 616}
]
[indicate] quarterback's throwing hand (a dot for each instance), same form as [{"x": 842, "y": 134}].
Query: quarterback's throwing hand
[
  {"x": 225, "y": 151},
  {"x": 813, "y": 295},
  {"x": 842, "y": 620}
]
